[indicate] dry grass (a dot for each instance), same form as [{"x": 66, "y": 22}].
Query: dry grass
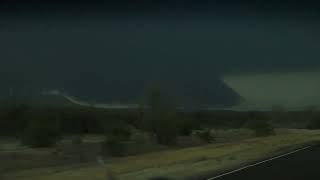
[{"x": 182, "y": 163}]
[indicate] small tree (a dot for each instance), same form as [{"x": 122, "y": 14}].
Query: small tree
[
  {"x": 113, "y": 146},
  {"x": 42, "y": 130},
  {"x": 314, "y": 123},
  {"x": 206, "y": 135},
  {"x": 187, "y": 126},
  {"x": 121, "y": 133},
  {"x": 161, "y": 119},
  {"x": 40, "y": 135},
  {"x": 114, "y": 141},
  {"x": 165, "y": 126},
  {"x": 277, "y": 115},
  {"x": 13, "y": 119},
  {"x": 313, "y": 116},
  {"x": 261, "y": 126}
]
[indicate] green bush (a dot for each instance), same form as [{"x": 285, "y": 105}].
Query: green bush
[
  {"x": 140, "y": 137},
  {"x": 260, "y": 127},
  {"x": 163, "y": 125},
  {"x": 187, "y": 126},
  {"x": 122, "y": 133},
  {"x": 113, "y": 146},
  {"x": 12, "y": 119},
  {"x": 37, "y": 135},
  {"x": 314, "y": 123},
  {"x": 77, "y": 140},
  {"x": 206, "y": 135}
]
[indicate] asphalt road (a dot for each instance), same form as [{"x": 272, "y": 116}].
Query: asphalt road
[{"x": 301, "y": 165}]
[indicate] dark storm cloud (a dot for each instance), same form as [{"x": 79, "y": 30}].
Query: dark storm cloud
[
  {"x": 159, "y": 6},
  {"x": 213, "y": 43},
  {"x": 121, "y": 46}
]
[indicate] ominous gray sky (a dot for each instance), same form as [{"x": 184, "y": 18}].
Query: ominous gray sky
[{"x": 220, "y": 43}]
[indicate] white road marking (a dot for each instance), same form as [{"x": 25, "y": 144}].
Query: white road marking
[{"x": 258, "y": 163}]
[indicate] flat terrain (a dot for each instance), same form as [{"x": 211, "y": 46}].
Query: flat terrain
[{"x": 184, "y": 163}]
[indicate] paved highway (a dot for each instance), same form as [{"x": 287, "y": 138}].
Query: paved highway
[{"x": 303, "y": 164}]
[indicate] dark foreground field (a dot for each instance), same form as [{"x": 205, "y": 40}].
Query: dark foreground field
[
  {"x": 302, "y": 165},
  {"x": 194, "y": 162}
]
